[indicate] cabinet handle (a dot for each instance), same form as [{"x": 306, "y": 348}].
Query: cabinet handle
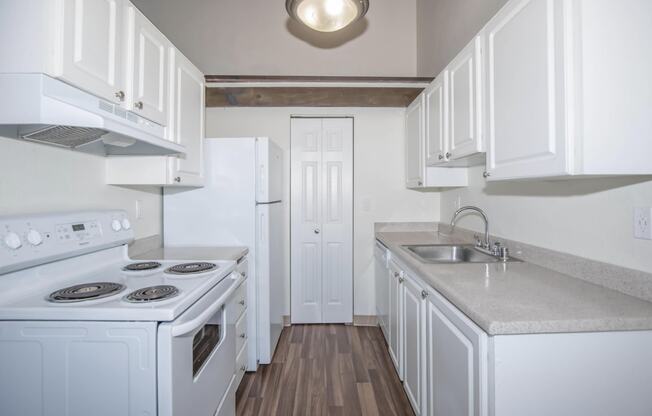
[
  {"x": 486, "y": 174},
  {"x": 448, "y": 155},
  {"x": 177, "y": 179},
  {"x": 243, "y": 368},
  {"x": 242, "y": 302},
  {"x": 401, "y": 279},
  {"x": 243, "y": 335},
  {"x": 139, "y": 105},
  {"x": 424, "y": 294},
  {"x": 120, "y": 95}
]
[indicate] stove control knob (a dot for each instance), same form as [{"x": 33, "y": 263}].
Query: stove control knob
[
  {"x": 115, "y": 224},
  {"x": 12, "y": 240},
  {"x": 126, "y": 224},
  {"x": 34, "y": 237}
]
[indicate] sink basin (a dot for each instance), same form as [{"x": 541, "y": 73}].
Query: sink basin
[{"x": 459, "y": 253}]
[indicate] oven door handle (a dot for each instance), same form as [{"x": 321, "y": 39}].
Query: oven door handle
[{"x": 198, "y": 321}]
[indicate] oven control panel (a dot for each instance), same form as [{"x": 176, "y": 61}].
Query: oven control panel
[{"x": 27, "y": 241}]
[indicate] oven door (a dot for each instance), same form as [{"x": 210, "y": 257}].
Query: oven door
[{"x": 196, "y": 354}]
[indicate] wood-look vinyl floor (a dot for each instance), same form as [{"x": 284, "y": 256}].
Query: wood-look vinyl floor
[{"x": 325, "y": 370}]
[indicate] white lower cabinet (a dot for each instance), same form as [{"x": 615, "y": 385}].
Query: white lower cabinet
[
  {"x": 450, "y": 367},
  {"x": 456, "y": 361},
  {"x": 413, "y": 324},
  {"x": 382, "y": 287},
  {"x": 395, "y": 316}
]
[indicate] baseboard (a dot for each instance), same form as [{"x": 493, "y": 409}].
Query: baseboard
[
  {"x": 358, "y": 320},
  {"x": 365, "y": 320}
]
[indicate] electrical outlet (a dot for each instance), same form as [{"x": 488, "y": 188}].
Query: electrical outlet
[{"x": 643, "y": 223}]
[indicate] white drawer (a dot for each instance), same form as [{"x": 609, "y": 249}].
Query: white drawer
[
  {"x": 243, "y": 267},
  {"x": 240, "y": 333},
  {"x": 238, "y": 303},
  {"x": 240, "y": 366}
]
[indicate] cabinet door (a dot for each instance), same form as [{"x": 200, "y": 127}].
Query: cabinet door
[
  {"x": 395, "y": 278},
  {"x": 437, "y": 120},
  {"x": 414, "y": 343},
  {"x": 465, "y": 72},
  {"x": 525, "y": 100},
  {"x": 91, "y": 55},
  {"x": 456, "y": 362},
  {"x": 381, "y": 284},
  {"x": 148, "y": 95},
  {"x": 186, "y": 120},
  {"x": 414, "y": 160}
]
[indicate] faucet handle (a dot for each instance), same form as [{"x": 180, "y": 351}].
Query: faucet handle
[
  {"x": 478, "y": 240},
  {"x": 496, "y": 249}
]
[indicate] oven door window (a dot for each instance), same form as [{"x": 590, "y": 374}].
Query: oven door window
[{"x": 203, "y": 345}]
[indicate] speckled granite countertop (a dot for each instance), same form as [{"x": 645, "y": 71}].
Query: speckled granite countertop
[
  {"x": 193, "y": 253},
  {"x": 521, "y": 298}
]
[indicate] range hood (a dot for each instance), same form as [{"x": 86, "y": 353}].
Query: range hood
[{"x": 45, "y": 110}]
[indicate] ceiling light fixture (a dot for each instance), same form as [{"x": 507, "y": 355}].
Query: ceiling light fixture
[{"x": 327, "y": 15}]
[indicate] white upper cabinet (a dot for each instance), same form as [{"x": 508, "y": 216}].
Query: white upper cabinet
[
  {"x": 417, "y": 175},
  {"x": 565, "y": 95},
  {"x": 414, "y": 161},
  {"x": 525, "y": 100},
  {"x": 186, "y": 125},
  {"x": 437, "y": 121},
  {"x": 148, "y": 92},
  {"x": 91, "y": 54},
  {"x": 465, "y": 73}
]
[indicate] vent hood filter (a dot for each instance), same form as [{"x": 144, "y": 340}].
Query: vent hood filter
[{"x": 70, "y": 137}]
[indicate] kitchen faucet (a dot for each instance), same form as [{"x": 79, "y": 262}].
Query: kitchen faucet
[{"x": 484, "y": 246}]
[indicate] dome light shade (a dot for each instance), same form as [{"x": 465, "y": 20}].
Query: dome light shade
[{"x": 327, "y": 15}]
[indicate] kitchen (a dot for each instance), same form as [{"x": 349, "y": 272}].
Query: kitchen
[{"x": 261, "y": 208}]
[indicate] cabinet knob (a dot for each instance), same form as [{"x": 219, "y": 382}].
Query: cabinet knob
[
  {"x": 420, "y": 183},
  {"x": 396, "y": 274},
  {"x": 120, "y": 95},
  {"x": 243, "y": 368},
  {"x": 177, "y": 179},
  {"x": 243, "y": 335},
  {"x": 441, "y": 157},
  {"x": 424, "y": 294},
  {"x": 486, "y": 174},
  {"x": 138, "y": 105},
  {"x": 448, "y": 155},
  {"x": 242, "y": 302},
  {"x": 317, "y": 231},
  {"x": 401, "y": 279}
]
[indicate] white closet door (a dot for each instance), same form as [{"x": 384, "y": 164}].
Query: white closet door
[
  {"x": 337, "y": 220},
  {"x": 322, "y": 220}
]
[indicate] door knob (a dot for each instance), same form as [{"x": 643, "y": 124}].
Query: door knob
[{"x": 317, "y": 230}]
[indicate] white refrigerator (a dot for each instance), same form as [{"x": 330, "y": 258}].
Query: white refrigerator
[{"x": 240, "y": 205}]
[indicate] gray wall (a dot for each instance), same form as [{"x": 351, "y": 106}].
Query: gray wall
[
  {"x": 256, "y": 37},
  {"x": 444, "y": 27}
]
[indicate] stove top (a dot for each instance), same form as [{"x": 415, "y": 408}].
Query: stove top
[
  {"x": 152, "y": 294},
  {"x": 191, "y": 268},
  {"x": 142, "y": 266},
  {"x": 86, "y": 291}
]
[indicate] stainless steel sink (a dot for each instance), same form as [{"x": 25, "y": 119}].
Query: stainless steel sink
[{"x": 459, "y": 253}]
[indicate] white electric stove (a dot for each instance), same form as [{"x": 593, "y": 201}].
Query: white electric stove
[{"x": 86, "y": 330}]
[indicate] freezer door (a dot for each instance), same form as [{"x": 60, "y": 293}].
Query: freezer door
[
  {"x": 270, "y": 262},
  {"x": 269, "y": 171}
]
